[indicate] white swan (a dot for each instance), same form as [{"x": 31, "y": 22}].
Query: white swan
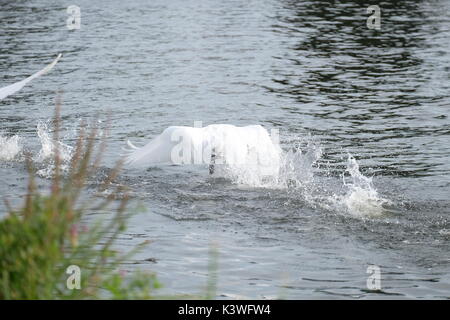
[
  {"x": 217, "y": 144},
  {"x": 13, "y": 88}
]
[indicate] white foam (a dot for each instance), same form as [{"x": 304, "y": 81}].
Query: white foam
[
  {"x": 10, "y": 148},
  {"x": 361, "y": 198},
  {"x": 49, "y": 146},
  {"x": 47, "y": 152},
  {"x": 297, "y": 166}
]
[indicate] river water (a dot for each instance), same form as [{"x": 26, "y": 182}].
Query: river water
[{"x": 362, "y": 116}]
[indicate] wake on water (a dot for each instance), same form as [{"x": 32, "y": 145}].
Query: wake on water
[{"x": 246, "y": 156}]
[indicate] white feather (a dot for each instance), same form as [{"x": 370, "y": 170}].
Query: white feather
[
  {"x": 13, "y": 88},
  {"x": 131, "y": 145}
]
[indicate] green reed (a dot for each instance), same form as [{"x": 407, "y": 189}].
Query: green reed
[{"x": 48, "y": 233}]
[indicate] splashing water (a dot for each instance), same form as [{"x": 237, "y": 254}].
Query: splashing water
[
  {"x": 361, "y": 198},
  {"x": 293, "y": 169},
  {"x": 298, "y": 165},
  {"x": 47, "y": 152},
  {"x": 262, "y": 163},
  {"x": 356, "y": 196},
  {"x": 259, "y": 163},
  {"x": 10, "y": 148},
  {"x": 295, "y": 172},
  {"x": 49, "y": 146}
]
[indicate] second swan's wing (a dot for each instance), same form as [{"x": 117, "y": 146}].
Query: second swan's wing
[{"x": 13, "y": 88}]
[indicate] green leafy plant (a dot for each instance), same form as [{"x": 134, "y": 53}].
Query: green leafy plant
[{"x": 50, "y": 232}]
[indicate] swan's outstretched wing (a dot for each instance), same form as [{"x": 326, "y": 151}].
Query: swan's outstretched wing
[
  {"x": 13, "y": 88},
  {"x": 167, "y": 148}
]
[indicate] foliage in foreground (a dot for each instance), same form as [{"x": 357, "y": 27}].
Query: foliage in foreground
[{"x": 49, "y": 233}]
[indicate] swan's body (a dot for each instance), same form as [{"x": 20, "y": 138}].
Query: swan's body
[
  {"x": 13, "y": 88},
  {"x": 214, "y": 145}
]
